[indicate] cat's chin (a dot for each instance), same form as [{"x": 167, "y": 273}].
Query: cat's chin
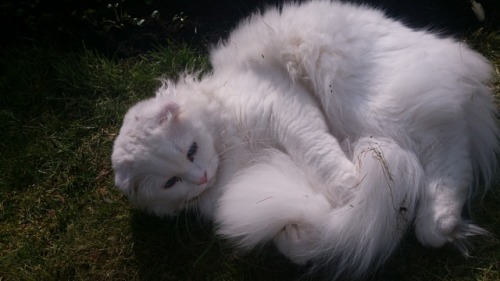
[{"x": 194, "y": 200}]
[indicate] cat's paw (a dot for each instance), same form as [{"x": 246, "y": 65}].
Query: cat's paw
[
  {"x": 446, "y": 229},
  {"x": 435, "y": 232},
  {"x": 297, "y": 241},
  {"x": 340, "y": 187}
]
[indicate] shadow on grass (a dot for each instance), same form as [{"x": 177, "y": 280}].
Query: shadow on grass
[{"x": 185, "y": 248}]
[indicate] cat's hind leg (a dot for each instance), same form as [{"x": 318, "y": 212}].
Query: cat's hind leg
[
  {"x": 449, "y": 178},
  {"x": 297, "y": 241}
]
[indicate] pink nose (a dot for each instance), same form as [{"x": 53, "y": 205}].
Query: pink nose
[{"x": 203, "y": 179}]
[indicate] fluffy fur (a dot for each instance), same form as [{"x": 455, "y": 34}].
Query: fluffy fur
[{"x": 324, "y": 127}]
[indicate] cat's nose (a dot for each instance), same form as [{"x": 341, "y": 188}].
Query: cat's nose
[{"x": 203, "y": 180}]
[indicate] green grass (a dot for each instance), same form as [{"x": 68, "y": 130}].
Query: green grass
[{"x": 62, "y": 219}]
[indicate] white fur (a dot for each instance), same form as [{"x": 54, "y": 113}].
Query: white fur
[
  {"x": 324, "y": 127},
  {"x": 375, "y": 77},
  {"x": 255, "y": 209}
]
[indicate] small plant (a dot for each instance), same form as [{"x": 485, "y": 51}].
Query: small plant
[
  {"x": 179, "y": 20},
  {"x": 116, "y": 16}
]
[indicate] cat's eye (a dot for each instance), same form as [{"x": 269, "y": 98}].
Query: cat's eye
[
  {"x": 171, "y": 182},
  {"x": 192, "y": 151}
]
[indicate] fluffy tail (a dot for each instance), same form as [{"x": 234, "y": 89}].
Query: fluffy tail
[
  {"x": 274, "y": 200},
  {"x": 360, "y": 236}
]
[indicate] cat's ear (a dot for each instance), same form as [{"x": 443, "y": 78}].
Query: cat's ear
[
  {"x": 168, "y": 112},
  {"x": 123, "y": 175}
]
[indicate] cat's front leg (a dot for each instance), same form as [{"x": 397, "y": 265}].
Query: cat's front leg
[
  {"x": 323, "y": 159},
  {"x": 305, "y": 136}
]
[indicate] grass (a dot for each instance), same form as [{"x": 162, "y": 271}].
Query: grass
[{"x": 62, "y": 219}]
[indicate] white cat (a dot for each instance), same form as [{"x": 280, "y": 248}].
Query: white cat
[{"x": 250, "y": 147}]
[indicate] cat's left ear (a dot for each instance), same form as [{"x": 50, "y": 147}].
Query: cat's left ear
[
  {"x": 168, "y": 112},
  {"x": 123, "y": 174}
]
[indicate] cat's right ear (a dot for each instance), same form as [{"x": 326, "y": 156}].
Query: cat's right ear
[{"x": 168, "y": 112}]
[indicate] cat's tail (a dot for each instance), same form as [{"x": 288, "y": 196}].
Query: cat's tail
[{"x": 361, "y": 235}]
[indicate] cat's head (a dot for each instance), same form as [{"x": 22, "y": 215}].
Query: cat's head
[{"x": 164, "y": 156}]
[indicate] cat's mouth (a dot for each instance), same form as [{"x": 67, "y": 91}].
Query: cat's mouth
[
  {"x": 205, "y": 186},
  {"x": 211, "y": 181},
  {"x": 195, "y": 198}
]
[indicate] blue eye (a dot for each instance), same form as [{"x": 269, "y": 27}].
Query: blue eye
[
  {"x": 171, "y": 182},
  {"x": 192, "y": 151}
]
